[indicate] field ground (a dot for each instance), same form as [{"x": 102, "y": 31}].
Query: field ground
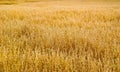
[{"x": 60, "y": 36}]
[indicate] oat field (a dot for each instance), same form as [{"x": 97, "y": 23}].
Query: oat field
[{"x": 60, "y": 36}]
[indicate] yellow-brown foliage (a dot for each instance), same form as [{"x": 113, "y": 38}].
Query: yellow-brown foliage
[{"x": 60, "y": 37}]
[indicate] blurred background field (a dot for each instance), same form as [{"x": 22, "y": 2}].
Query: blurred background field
[{"x": 59, "y": 36}]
